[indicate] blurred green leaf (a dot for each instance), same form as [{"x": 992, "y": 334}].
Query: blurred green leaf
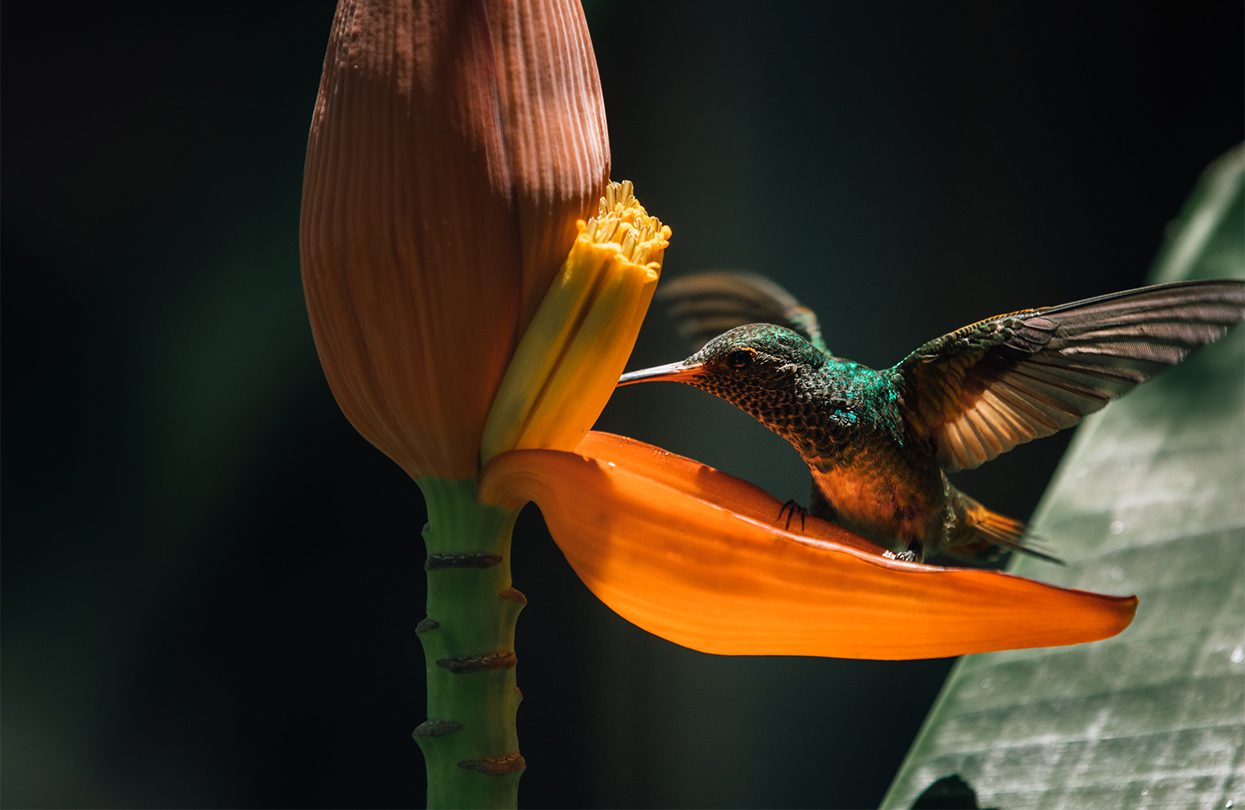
[{"x": 1149, "y": 500}]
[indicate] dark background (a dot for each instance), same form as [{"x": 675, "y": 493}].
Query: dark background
[{"x": 210, "y": 583}]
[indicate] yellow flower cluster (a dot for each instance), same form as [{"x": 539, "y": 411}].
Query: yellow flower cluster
[{"x": 570, "y": 358}]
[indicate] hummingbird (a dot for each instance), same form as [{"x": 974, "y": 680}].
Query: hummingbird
[{"x": 879, "y": 443}]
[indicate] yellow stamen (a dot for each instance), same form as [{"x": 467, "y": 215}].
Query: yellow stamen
[{"x": 577, "y": 345}]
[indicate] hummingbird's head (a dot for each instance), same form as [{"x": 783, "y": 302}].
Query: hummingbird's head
[{"x": 754, "y": 367}]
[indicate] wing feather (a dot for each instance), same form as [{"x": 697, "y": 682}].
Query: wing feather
[
  {"x": 982, "y": 390},
  {"x": 707, "y": 304}
]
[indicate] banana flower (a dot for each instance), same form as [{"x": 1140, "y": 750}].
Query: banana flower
[{"x": 474, "y": 286}]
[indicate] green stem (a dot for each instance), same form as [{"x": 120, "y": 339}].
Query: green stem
[{"x": 469, "y": 741}]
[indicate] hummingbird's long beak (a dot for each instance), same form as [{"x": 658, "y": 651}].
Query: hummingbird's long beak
[{"x": 681, "y": 371}]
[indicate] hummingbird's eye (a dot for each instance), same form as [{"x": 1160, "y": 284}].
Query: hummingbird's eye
[{"x": 739, "y": 358}]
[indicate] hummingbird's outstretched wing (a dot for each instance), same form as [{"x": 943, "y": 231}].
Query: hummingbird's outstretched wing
[
  {"x": 707, "y": 304},
  {"x": 983, "y": 389}
]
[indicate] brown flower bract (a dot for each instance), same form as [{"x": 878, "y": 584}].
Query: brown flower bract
[{"x": 453, "y": 145}]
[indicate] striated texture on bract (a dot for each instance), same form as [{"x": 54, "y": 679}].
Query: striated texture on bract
[{"x": 453, "y": 146}]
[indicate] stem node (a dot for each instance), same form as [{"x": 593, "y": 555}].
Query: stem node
[
  {"x": 478, "y": 663},
  {"x": 496, "y": 766},
  {"x": 436, "y": 728}
]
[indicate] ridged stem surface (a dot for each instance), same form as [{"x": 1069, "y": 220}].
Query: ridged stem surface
[{"x": 469, "y": 741}]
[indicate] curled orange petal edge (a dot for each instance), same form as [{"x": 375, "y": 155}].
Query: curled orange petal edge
[{"x": 696, "y": 557}]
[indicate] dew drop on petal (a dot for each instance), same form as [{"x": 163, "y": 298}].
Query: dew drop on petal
[
  {"x": 1117, "y": 526},
  {"x": 1238, "y": 654}
]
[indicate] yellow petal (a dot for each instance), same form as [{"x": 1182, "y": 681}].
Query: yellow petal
[
  {"x": 452, "y": 149},
  {"x": 567, "y": 365},
  {"x": 664, "y": 552}
]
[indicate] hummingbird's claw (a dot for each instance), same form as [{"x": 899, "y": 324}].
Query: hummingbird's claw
[
  {"x": 790, "y": 509},
  {"x": 914, "y": 553}
]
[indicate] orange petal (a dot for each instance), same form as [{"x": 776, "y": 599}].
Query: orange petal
[
  {"x": 708, "y": 484},
  {"x": 649, "y": 534},
  {"x": 452, "y": 148}
]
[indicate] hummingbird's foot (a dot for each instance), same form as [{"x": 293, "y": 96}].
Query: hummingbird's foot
[
  {"x": 915, "y": 553},
  {"x": 789, "y": 510}
]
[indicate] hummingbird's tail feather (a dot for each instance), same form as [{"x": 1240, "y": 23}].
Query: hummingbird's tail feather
[
  {"x": 983, "y": 534},
  {"x": 1037, "y": 545}
]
